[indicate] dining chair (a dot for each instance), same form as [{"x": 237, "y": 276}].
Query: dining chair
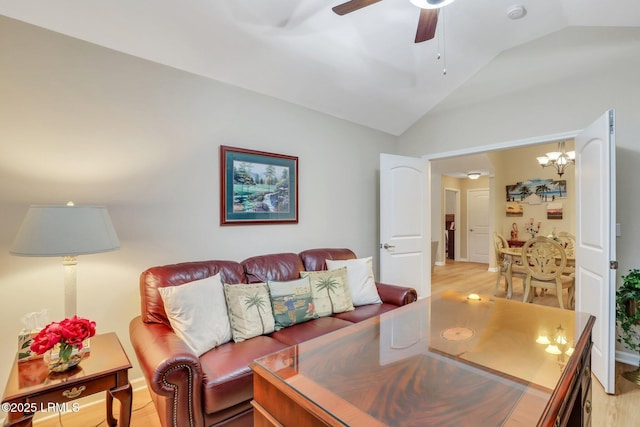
[
  {"x": 503, "y": 263},
  {"x": 546, "y": 260},
  {"x": 568, "y": 243}
]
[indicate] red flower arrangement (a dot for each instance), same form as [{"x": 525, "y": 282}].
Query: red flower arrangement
[{"x": 69, "y": 333}]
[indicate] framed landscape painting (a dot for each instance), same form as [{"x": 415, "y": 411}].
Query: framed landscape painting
[{"x": 257, "y": 187}]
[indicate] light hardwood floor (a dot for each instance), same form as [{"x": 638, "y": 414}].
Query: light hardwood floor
[{"x": 620, "y": 410}]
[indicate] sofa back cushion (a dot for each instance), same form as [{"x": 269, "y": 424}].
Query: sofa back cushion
[
  {"x": 279, "y": 267},
  {"x": 152, "y": 305},
  {"x": 314, "y": 259}
]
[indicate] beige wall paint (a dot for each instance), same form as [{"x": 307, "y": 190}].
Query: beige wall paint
[
  {"x": 88, "y": 124},
  {"x": 520, "y": 165}
]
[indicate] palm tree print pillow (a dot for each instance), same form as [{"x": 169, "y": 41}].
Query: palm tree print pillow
[
  {"x": 330, "y": 291},
  {"x": 291, "y": 302},
  {"x": 249, "y": 309}
]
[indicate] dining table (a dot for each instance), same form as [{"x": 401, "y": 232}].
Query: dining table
[{"x": 514, "y": 256}]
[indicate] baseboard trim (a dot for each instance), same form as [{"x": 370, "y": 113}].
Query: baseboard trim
[{"x": 632, "y": 359}]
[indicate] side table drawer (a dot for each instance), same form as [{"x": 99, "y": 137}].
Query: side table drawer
[{"x": 72, "y": 392}]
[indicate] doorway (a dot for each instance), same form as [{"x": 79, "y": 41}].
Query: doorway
[
  {"x": 594, "y": 175},
  {"x": 451, "y": 216}
]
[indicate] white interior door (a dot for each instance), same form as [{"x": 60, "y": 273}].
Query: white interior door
[
  {"x": 479, "y": 223},
  {"x": 595, "y": 247},
  {"x": 405, "y": 251}
]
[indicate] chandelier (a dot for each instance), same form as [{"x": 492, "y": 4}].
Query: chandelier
[{"x": 558, "y": 159}]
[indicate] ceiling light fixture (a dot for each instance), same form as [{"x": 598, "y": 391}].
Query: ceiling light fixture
[
  {"x": 559, "y": 159},
  {"x": 431, "y": 4},
  {"x": 473, "y": 175}
]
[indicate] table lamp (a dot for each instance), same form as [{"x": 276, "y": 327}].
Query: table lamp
[{"x": 66, "y": 231}]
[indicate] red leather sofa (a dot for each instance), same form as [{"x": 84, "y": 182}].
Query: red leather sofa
[{"x": 216, "y": 389}]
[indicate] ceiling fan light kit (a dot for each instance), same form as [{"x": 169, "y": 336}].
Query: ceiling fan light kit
[
  {"x": 427, "y": 21},
  {"x": 431, "y": 4}
]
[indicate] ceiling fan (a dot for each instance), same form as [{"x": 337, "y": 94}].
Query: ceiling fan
[{"x": 426, "y": 23}]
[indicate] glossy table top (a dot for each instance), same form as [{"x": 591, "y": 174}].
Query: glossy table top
[{"x": 446, "y": 360}]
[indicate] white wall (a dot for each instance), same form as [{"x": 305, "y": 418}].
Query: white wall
[
  {"x": 88, "y": 124},
  {"x": 536, "y": 92}
]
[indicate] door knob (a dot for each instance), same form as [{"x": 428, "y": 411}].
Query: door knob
[{"x": 388, "y": 246}]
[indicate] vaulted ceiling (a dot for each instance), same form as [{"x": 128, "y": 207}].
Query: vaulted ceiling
[{"x": 363, "y": 67}]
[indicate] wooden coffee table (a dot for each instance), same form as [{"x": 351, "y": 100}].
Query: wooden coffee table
[
  {"x": 444, "y": 360},
  {"x": 31, "y": 388}
]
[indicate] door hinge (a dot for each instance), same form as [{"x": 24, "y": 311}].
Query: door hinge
[{"x": 613, "y": 265}]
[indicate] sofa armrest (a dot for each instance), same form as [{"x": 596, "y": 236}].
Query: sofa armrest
[
  {"x": 398, "y": 295},
  {"x": 171, "y": 371}
]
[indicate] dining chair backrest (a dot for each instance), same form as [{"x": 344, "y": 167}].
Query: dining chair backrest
[
  {"x": 568, "y": 242},
  {"x": 499, "y": 242},
  {"x": 546, "y": 259}
]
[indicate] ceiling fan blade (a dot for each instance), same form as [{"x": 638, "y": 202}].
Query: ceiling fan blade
[
  {"x": 353, "y": 5},
  {"x": 427, "y": 25}
]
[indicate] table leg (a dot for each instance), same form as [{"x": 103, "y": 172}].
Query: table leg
[
  {"x": 125, "y": 395},
  {"x": 12, "y": 420},
  {"x": 508, "y": 260}
]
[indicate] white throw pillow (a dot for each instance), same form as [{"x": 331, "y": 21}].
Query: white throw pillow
[
  {"x": 361, "y": 282},
  {"x": 197, "y": 312}
]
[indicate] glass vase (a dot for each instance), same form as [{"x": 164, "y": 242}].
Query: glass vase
[{"x": 57, "y": 362}]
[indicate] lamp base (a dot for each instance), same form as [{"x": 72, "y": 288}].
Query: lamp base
[{"x": 69, "y": 263}]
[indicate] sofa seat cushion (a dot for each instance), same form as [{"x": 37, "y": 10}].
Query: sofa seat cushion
[
  {"x": 365, "y": 312},
  {"x": 227, "y": 379},
  {"x": 305, "y": 331}
]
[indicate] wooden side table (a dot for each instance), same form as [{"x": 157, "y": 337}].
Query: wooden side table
[{"x": 31, "y": 388}]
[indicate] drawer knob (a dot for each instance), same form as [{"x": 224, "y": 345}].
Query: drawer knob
[
  {"x": 74, "y": 392},
  {"x": 587, "y": 371},
  {"x": 587, "y": 407}
]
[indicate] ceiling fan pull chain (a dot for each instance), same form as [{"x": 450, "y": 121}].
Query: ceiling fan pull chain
[
  {"x": 438, "y": 37},
  {"x": 444, "y": 44}
]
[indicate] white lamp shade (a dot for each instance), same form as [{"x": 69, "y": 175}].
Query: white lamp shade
[{"x": 61, "y": 230}]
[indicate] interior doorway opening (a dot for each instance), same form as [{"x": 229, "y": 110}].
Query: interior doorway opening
[{"x": 451, "y": 214}]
